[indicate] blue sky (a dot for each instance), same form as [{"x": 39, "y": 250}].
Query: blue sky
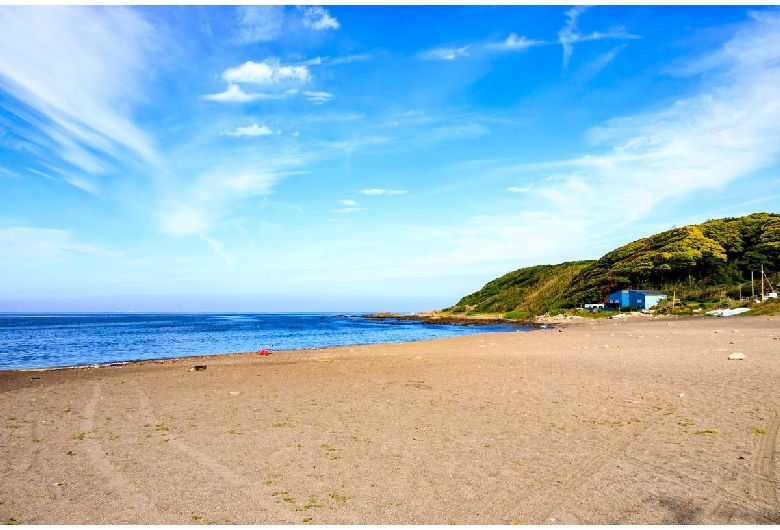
[{"x": 346, "y": 158}]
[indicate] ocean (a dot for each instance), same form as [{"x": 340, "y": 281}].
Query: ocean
[{"x": 32, "y": 341}]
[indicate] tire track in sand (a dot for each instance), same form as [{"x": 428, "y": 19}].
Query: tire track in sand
[
  {"x": 579, "y": 474},
  {"x": 764, "y": 484},
  {"x": 136, "y": 507},
  {"x": 761, "y": 497},
  {"x": 276, "y": 515}
]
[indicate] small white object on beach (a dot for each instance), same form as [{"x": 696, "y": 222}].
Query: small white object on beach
[
  {"x": 234, "y": 393},
  {"x": 682, "y": 394},
  {"x": 736, "y": 356}
]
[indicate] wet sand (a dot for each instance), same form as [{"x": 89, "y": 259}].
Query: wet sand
[{"x": 633, "y": 421}]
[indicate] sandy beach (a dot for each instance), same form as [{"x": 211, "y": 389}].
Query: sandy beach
[{"x": 630, "y": 421}]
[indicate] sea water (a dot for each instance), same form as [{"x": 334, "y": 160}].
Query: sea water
[{"x": 29, "y": 341}]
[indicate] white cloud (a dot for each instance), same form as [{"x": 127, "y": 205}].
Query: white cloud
[
  {"x": 41, "y": 173},
  {"x": 252, "y": 130},
  {"x": 350, "y": 210},
  {"x": 318, "y": 97},
  {"x": 318, "y": 18},
  {"x": 267, "y": 72},
  {"x": 218, "y": 249},
  {"x": 81, "y": 183},
  {"x": 337, "y": 60},
  {"x": 514, "y": 43},
  {"x": 349, "y": 58},
  {"x": 81, "y": 85},
  {"x": 179, "y": 219},
  {"x": 728, "y": 130},
  {"x": 347, "y": 202},
  {"x": 498, "y": 243},
  {"x": 381, "y": 191},
  {"x": 638, "y": 168},
  {"x": 9, "y": 173},
  {"x": 197, "y": 208},
  {"x": 204, "y": 204},
  {"x": 570, "y": 33},
  {"x": 234, "y": 94},
  {"x": 444, "y": 54},
  {"x": 454, "y": 132},
  {"x": 24, "y": 243},
  {"x": 592, "y": 68},
  {"x": 260, "y": 23}
]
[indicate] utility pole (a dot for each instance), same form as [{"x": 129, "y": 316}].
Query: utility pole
[
  {"x": 762, "y": 282},
  {"x": 752, "y": 289}
]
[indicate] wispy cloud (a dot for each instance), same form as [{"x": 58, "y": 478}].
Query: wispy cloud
[
  {"x": 381, "y": 191},
  {"x": 637, "y": 166},
  {"x": 570, "y": 33},
  {"x": 452, "y": 132},
  {"x": 80, "y": 85},
  {"x": 349, "y": 58},
  {"x": 234, "y": 94},
  {"x": 40, "y": 173},
  {"x": 318, "y": 97},
  {"x": 82, "y": 184},
  {"x": 350, "y": 210},
  {"x": 513, "y": 42},
  {"x": 252, "y": 130},
  {"x": 496, "y": 243},
  {"x": 205, "y": 204},
  {"x": 8, "y": 173},
  {"x": 24, "y": 243},
  {"x": 196, "y": 208},
  {"x": 520, "y": 189},
  {"x": 729, "y": 129},
  {"x": 443, "y": 54},
  {"x": 260, "y": 23},
  {"x": 752, "y": 49},
  {"x": 318, "y": 18},
  {"x": 347, "y": 202}
]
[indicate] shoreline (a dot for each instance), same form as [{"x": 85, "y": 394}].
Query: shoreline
[
  {"x": 548, "y": 324},
  {"x": 626, "y": 421},
  {"x": 92, "y": 350}
]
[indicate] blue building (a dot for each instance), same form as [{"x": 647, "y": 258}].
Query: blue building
[{"x": 637, "y": 298}]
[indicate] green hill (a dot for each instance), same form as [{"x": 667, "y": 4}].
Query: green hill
[{"x": 708, "y": 262}]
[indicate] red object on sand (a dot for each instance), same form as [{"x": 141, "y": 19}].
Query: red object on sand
[{"x": 264, "y": 352}]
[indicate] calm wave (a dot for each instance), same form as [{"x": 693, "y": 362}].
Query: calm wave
[{"x": 58, "y": 340}]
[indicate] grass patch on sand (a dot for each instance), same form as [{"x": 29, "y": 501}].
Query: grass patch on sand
[{"x": 337, "y": 497}]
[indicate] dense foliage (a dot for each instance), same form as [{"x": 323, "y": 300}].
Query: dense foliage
[
  {"x": 708, "y": 262},
  {"x": 531, "y": 290}
]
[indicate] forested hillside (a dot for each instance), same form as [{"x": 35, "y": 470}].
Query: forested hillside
[
  {"x": 706, "y": 262},
  {"x": 531, "y": 290}
]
